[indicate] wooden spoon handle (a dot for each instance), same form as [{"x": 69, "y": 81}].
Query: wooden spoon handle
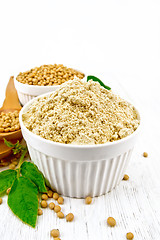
[{"x": 11, "y": 101}]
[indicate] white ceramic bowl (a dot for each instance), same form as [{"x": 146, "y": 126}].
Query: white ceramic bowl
[
  {"x": 79, "y": 170},
  {"x": 27, "y": 92}
]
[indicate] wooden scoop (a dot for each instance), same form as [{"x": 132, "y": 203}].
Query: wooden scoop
[{"x": 11, "y": 103}]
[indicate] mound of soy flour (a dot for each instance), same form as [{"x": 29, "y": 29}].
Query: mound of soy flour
[{"x": 81, "y": 113}]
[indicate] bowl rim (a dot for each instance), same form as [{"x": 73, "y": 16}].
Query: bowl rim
[
  {"x": 74, "y": 146},
  {"x": 35, "y": 86},
  {"x": 33, "y": 90},
  {"x": 36, "y": 90},
  {"x": 40, "y": 87}
]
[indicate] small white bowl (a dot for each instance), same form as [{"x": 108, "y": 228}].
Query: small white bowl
[
  {"x": 79, "y": 170},
  {"x": 27, "y": 92}
]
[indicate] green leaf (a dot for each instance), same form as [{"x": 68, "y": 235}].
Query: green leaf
[
  {"x": 8, "y": 144},
  {"x": 6, "y": 179},
  {"x": 31, "y": 171},
  {"x": 97, "y": 80},
  {"x": 47, "y": 183},
  {"x": 17, "y": 147},
  {"x": 23, "y": 200}
]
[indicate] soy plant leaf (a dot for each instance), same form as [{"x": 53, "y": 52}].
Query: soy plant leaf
[
  {"x": 47, "y": 183},
  {"x": 8, "y": 144},
  {"x": 23, "y": 200},
  {"x": 16, "y": 148},
  {"x": 98, "y": 80},
  {"x": 30, "y": 170},
  {"x": 19, "y": 148},
  {"x": 7, "y": 178}
]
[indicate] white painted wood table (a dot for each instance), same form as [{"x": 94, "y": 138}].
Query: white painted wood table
[{"x": 135, "y": 204}]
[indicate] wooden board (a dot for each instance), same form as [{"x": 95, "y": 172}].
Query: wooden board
[{"x": 135, "y": 204}]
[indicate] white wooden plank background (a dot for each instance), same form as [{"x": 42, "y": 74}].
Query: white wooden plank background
[{"x": 135, "y": 204}]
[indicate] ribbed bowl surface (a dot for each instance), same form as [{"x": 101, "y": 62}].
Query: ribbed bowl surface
[
  {"x": 80, "y": 170},
  {"x": 81, "y": 179},
  {"x": 24, "y": 98}
]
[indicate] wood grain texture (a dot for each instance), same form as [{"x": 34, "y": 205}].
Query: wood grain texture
[{"x": 135, "y": 204}]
